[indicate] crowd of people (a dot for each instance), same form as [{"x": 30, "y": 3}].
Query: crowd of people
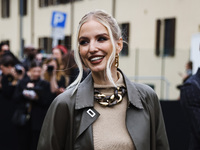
[
  {"x": 27, "y": 88},
  {"x": 90, "y": 113}
]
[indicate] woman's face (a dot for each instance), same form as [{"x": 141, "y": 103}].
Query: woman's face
[
  {"x": 57, "y": 54},
  {"x": 34, "y": 73},
  {"x": 94, "y": 45}
]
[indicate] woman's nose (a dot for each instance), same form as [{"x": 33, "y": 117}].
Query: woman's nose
[{"x": 93, "y": 47}]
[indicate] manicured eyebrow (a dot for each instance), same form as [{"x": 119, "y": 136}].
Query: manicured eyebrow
[
  {"x": 98, "y": 35},
  {"x": 102, "y": 34}
]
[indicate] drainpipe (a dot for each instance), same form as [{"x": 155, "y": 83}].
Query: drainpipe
[
  {"x": 113, "y": 8},
  {"x": 72, "y": 20},
  {"x": 21, "y": 29},
  {"x": 32, "y": 22}
]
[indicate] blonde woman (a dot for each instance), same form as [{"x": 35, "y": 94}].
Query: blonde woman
[{"x": 106, "y": 111}]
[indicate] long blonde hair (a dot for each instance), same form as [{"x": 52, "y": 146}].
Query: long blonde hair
[{"x": 114, "y": 32}]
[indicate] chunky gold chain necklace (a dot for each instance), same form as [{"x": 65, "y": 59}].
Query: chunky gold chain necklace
[{"x": 111, "y": 100}]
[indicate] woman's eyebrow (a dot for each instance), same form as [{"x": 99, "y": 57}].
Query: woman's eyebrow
[
  {"x": 98, "y": 35},
  {"x": 102, "y": 34},
  {"x": 82, "y": 37}
]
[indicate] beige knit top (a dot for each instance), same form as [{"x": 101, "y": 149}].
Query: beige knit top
[{"x": 109, "y": 130}]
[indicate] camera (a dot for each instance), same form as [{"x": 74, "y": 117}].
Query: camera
[
  {"x": 50, "y": 68},
  {"x": 18, "y": 69}
]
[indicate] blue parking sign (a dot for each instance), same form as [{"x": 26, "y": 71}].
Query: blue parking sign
[{"x": 58, "y": 19}]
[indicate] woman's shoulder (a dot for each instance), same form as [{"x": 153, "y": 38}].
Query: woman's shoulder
[
  {"x": 147, "y": 93},
  {"x": 144, "y": 88}
]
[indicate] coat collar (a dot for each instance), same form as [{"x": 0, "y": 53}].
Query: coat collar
[{"x": 85, "y": 93}]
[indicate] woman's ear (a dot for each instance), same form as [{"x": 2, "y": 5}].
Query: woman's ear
[{"x": 119, "y": 45}]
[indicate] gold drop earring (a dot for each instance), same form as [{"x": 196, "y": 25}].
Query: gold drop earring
[{"x": 116, "y": 60}]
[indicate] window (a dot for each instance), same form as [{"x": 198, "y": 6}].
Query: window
[
  {"x": 66, "y": 42},
  {"x": 45, "y": 43},
  {"x": 24, "y": 4},
  {"x": 125, "y": 35},
  {"x": 165, "y": 37},
  {"x": 44, "y": 3},
  {"x": 5, "y": 8}
]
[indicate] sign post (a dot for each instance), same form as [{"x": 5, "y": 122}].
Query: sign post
[{"x": 58, "y": 24}]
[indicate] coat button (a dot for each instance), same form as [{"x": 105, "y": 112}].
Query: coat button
[{"x": 91, "y": 113}]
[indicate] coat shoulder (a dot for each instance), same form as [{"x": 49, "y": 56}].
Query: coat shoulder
[
  {"x": 144, "y": 89},
  {"x": 65, "y": 98},
  {"x": 148, "y": 95}
]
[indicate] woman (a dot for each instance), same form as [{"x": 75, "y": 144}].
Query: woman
[
  {"x": 106, "y": 110},
  {"x": 58, "y": 52},
  {"x": 53, "y": 74}
]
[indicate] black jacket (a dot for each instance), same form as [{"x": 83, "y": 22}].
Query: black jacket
[
  {"x": 40, "y": 106},
  {"x": 68, "y": 123},
  {"x": 190, "y": 100}
]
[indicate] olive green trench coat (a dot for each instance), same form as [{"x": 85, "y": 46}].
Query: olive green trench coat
[{"x": 68, "y": 123}]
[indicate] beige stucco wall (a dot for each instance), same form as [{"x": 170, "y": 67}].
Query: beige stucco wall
[{"x": 141, "y": 15}]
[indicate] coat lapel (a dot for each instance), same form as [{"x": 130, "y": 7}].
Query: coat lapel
[{"x": 85, "y": 114}]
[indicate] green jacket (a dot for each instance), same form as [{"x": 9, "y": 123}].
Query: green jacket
[{"x": 68, "y": 123}]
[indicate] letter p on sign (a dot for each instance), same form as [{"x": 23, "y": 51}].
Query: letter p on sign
[{"x": 58, "y": 19}]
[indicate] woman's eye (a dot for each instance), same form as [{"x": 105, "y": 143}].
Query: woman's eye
[
  {"x": 102, "y": 39},
  {"x": 83, "y": 42}
]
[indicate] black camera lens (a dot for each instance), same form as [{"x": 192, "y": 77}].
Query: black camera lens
[
  {"x": 50, "y": 68},
  {"x": 19, "y": 69}
]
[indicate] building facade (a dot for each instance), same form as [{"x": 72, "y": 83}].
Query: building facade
[{"x": 158, "y": 33}]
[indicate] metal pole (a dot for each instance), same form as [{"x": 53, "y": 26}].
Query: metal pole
[
  {"x": 32, "y": 22},
  {"x": 113, "y": 8},
  {"x": 21, "y": 29},
  {"x": 162, "y": 75},
  {"x": 136, "y": 62},
  {"x": 72, "y": 20}
]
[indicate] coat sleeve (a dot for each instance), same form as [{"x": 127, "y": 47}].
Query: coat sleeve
[
  {"x": 55, "y": 130},
  {"x": 160, "y": 131},
  {"x": 159, "y": 140}
]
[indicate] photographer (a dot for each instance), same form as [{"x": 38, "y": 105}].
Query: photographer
[
  {"x": 9, "y": 78},
  {"x": 54, "y": 75},
  {"x": 33, "y": 97},
  {"x": 12, "y": 72}
]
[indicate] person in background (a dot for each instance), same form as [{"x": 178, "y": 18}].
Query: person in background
[
  {"x": 3, "y": 47},
  {"x": 188, "y": 71},
  {"x": 33, "y": 95},
  {"x": 30, "y": 54},
  {"x": 54, "y": 75},
  {"x": 12, "y": 73},
  {"x": 39, "y": 55},
  {"x": 186, "y": 76},
  {"x": 58, "y": 52},
  {"x": 190, "y": 102},
  {"x": 106, "y": 111}
]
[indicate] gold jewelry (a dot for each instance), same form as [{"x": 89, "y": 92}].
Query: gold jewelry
[
  {"x": 116, "y": 60},
  {"x": 112, "y": 100}
]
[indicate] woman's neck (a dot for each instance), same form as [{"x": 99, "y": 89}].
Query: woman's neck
[{"x": 102, "y": 79}]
